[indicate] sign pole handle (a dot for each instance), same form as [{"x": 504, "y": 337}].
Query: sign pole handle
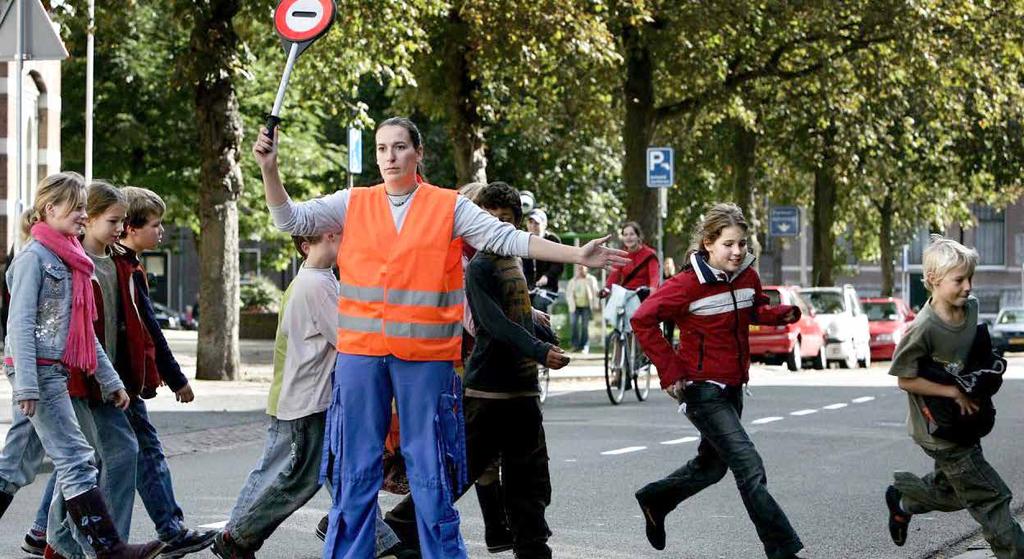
[{"x": 273, "y": 119}]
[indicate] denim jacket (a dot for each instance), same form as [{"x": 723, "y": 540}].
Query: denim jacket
[{"x": 38, "y": 320}]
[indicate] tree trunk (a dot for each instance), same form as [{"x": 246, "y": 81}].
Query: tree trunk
[
  {"x": 888, "y": 250},
  {"x": 463, "y": 91},
  {"x": 824, "y": 214},
  {"x": 214, "y": 47},
  {"x": 744, "y": 159},
  {"x": 638, "y": 131}
]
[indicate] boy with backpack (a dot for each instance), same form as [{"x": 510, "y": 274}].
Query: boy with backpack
[{"x": 949, "y": 378}]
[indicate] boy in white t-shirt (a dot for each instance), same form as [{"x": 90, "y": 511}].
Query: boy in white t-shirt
[{"x": 287, "y": 475}]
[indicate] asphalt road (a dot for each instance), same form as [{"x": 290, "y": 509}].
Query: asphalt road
[{"x": 827, "y": 468}]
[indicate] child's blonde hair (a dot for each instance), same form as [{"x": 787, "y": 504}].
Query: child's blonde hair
[
  {"x": 59, "y": 188},
  {"x": 718, "y": 218},
  {"x": 945, "y": 255},
  {"x": 143, "y": 205},
  {"x": 102, "y": 197}
]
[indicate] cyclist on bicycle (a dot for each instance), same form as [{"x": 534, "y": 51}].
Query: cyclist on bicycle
[{"x": 642, "y": 273}]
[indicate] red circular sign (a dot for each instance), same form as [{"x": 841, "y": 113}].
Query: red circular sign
[{"x": 303, "y": 20}]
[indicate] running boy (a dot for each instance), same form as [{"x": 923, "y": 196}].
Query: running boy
[
  {"x": 287, "y": 475},
  {"x": 944, "y": 331},
  {"x": 143, "y": 230}
]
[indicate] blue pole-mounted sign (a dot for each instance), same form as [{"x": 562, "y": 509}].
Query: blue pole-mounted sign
[
  {"x": 660, "y": 168},
  {"x": 784, "y": 221}
]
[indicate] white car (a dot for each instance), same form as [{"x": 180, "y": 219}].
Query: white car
[{"x": 847, "y": 334}]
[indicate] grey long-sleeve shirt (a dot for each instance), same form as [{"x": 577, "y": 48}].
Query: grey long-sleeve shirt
[{"x": 476, "y": 227}]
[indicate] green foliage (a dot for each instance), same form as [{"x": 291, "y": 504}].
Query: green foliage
[{"x": 260, "y": 295}]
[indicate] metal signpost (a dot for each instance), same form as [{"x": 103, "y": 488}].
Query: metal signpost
[
  {"x": 661, "y": 175},
  {"x": 298, "y": 23}
]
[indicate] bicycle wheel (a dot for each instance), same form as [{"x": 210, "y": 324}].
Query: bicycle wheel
[
  {"x": 614, "y": 371},
  {"x": 543, "y": 378},
  {"x": 641, "y": 370}
]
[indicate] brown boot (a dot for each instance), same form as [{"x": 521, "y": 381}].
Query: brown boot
[{"x": 89, "y": 511}]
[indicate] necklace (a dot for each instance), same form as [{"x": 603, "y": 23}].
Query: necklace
[{"x": 403, "y": 197}]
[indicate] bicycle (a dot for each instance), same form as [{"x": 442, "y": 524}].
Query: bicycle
[
  {"x": 624, "y": 362},
  {"x": 540, "y": 297}
]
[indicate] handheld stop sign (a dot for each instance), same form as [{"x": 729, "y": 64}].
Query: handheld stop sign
[{"x": 298, "y": 23}]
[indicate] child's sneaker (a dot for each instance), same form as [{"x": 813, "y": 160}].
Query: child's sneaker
[
  {"x": 224, "y": 548},
  {"x": 899, "y": 520},
  {"x": 34, "y": 544},
  {"x": 322, "y": 527},
  {"x": 188, "y": 541}
]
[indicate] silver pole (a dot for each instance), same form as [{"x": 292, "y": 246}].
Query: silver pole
[
  {"x": 803, "y": 247},
  {"x": 89, "y": 70},
  {"x": 19, "y": 173},
  {"x": 293, "y": 53}
]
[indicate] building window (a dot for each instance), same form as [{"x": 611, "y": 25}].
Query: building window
[
  {"x": 915, "y": 254},
  {"x": 248, "y": 264},
  {"x": 990, "y": 236}
]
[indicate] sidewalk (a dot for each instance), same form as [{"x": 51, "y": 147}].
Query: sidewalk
[{"x": 976, "y": 547}]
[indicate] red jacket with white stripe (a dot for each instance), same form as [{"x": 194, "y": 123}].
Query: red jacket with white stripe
[{"x": 713, "y": 315}]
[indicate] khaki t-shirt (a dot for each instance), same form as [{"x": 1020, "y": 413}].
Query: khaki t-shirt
[
  {"x": 930, "y": 336},
  {"x": 106, "y": 275}
]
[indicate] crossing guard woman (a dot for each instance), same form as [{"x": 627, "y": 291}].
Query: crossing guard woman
[{"x": 400, "y": 330}]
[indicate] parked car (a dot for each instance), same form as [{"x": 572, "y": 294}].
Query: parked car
[
  {"x": 888, "y": 319},
  {"x": 1008, "y": 330},
  {"x": 839, "y": 314},
  {"x": 166, "y": 317},
  {"x": 797, "y": 344}
]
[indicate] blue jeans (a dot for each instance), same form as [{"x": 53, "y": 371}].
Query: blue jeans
[
  {"x": 39, "y": 525},
  {"x": 275, "y": 458},
  {"x": 22, "y": 455},
  {"x": 154, "y": 476},
  {"x": 581, "y": 328},
  {"x": 108, "y": 431},
  {"x": 58, "y": 431},
  {"x": 357, "y": 424},
  {"x": 724, "y": 446}
]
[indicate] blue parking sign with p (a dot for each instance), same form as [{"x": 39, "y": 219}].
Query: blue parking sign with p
[{"x": 660, "y": 168}]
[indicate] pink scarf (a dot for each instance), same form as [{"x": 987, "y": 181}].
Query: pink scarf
[{"x": 80, "y": 352}]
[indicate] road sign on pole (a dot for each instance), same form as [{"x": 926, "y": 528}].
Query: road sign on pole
[
  {"x": 784, "y": 221},
  {"x": 660, "y": 168},
  {"x": 298, "y": 23}
]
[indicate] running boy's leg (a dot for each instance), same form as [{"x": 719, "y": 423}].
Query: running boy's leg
[
  {"x": 985, "y": 496},
  {"x": 930, "y": 493},
  {"x": 419, "y": 387},
  {"x": 357, "y": 424},
  {"x": 527, "y": 479}
]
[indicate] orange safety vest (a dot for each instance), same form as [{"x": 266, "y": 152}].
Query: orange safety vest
[{"x": 401, "y": 292}]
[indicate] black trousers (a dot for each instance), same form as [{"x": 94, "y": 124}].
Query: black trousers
[{"x": 513, "y": 430}]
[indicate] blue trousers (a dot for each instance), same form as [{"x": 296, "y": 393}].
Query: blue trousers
[
  {"x": 427, "y": 394},
  {"x": 153, "y": 475}
]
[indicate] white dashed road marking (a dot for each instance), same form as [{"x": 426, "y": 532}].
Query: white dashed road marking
[
  {"x": 862, "y": 399},
  {"x": 214, "y": 525},
  {"x": 802, "y": 412},
  {"x": 681, "y": 441},
  {"x": 835, "y": 406},
  {"x": 626, "y": 450},
  {"x": 764, "y": 420}
]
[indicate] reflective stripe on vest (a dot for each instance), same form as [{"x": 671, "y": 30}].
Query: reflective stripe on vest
[{"x": 401, "y": 291}]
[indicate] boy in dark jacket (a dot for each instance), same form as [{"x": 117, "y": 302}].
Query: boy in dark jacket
[{"x": 144, "y": 359}]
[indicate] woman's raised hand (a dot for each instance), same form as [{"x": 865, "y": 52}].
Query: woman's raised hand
[{"x": 265, "y": 148}]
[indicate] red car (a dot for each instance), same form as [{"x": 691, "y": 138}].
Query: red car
[
  {"x": 792, "y": 343},
  {"x": 888, "y": 318}
]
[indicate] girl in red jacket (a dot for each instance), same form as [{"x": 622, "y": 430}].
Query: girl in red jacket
[{"x": 713, "y": 301}]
